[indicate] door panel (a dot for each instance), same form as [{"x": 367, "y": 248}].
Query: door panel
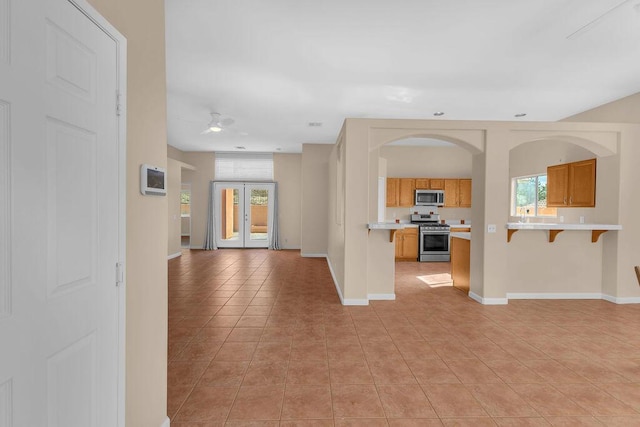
[
  {"x": 229, "y": 215},
  {"x": 59, "y": 332},
  {"x": 258, "y": 211}
]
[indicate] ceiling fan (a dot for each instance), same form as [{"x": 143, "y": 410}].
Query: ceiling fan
[{"x": 218, "y": 123}]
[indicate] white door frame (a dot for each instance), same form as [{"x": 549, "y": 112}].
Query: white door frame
[{"x": 121, "y": 46}]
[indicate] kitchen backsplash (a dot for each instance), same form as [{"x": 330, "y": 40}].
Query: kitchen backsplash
[{"x": 450, "y": 215}]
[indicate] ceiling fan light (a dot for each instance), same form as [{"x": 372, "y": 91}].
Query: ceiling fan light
[{"x": 215, "y": 128}]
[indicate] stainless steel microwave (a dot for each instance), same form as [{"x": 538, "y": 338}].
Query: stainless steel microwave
[{"x": 429, "y": 198}]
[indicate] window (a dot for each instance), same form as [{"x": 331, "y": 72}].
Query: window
[
  {"x": 185, "y": 202},
  {"x": 529, "y": 196},
  {"x": 244, "y": 167}
]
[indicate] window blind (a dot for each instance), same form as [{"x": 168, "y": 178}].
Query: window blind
[{"x": 244, "y": 167}]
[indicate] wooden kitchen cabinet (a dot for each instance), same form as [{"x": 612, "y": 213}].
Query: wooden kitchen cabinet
[
  {"x": 407, "y": 244},
  {"x": 407, "y": 196},
  {"x": 430, "y": 183},
  {"x": 464, "y": 193},
  {"x": 393, "y": 191},
  {"x": 457, "y": 193},
  {"x": 436, "y": 184},
  {"x": 401, "y": 192},
  {"x": 572, "y": 184},
  {"x": 422, "y": 183}
]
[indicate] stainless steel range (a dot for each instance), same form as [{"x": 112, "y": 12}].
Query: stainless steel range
[{"x": 433, "y": 238}]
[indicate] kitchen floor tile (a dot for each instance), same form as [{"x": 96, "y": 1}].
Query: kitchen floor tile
[
  {"x": 350, "y": 372},
  {"x": 356, "y": 401},
  {"x": 258, "y": 403},
  {"x": 307, "y": 401},
  {"x": 453, "y": 400},
  {"x": 405, "y": 401},
  {"x": 207, "y": 404}
]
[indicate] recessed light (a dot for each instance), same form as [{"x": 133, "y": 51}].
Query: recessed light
[
  {"x": 315, "y": 124},
  {"x": 240, "y": 147},
  {"x": 438, "y": 113},
  {"x": 520, "y": 115}
]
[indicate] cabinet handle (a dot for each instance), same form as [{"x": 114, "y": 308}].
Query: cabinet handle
[
  {"x": 571, "y": 200},
  {"x": 564, "y": 201}
]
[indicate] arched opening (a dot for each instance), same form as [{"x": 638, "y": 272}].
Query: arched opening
[
  {"x": 437, "y": 162},
  {"x": 568, "y": 265}
]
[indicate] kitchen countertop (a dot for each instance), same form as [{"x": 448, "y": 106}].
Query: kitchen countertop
[
  {"x": 560, "y": 226},
  {"x": 554, "y": 229},
  {"x": 461, "y": 235}
]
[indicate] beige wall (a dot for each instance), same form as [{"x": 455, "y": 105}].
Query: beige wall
[
  {"x": 146, "y": 312},
  {"x": 204, "y": 164},
  {"x": 315, "y": 198},
  {"x": 287, "y": 172},
  {"x": 624, "y": 110}
]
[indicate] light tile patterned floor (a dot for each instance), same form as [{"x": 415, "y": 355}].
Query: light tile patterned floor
[{"x": 259, "y": 338}]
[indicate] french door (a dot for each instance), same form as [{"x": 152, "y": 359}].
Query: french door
[{"x": 243, "y": 214}]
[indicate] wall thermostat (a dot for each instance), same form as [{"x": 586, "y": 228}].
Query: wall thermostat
[{"x": 153, "y": 180}]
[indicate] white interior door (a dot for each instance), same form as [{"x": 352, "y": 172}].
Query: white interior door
[
  {"x": 243, "y": 214},
  {"x": 61, "y": 217}
]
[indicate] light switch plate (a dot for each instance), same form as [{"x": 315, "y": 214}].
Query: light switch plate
[{"x": 491, "y": 228}]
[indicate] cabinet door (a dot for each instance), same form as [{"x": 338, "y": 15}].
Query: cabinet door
[
  {"x": 410, "y": 244},
  {"x": 450, "y": 193},
  {"x": 393, "y": 190},
  {"x": 436, "y": 184},
  {"x": 464, "y": 193},
  {"x": 582, "y": 184},
  {"x": 422, "y": 183},
  {"x": 399, "y": 236},
  {"x": 407, "y": 192},
  {"x": 557, "y": 185}
]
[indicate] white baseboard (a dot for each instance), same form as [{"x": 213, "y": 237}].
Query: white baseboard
[
  {"x": 349, "y": 301},
  {"x": 166, "y": 422},
  {"x": 176, "y": 255},
  {"x": 488, "y": 301},
  {"x": 554, "y": 296},
  {"x": 381, "y": 297},
  {"x": 621, "y": 300},
  {"x": 311, "y": 255}
]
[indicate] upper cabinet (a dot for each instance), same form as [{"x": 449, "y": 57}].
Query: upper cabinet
[
  {"x": 401, "y": 192},
  {"x": 429, "y": 183},
  {"x": 464, "y": 193},
  {"x": 572, "y": 184},
  {"x": 393, "y": 188},
  {"x": 457, "y": 193}
]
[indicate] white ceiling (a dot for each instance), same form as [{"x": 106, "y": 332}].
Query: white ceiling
[{"x": 275, "y": 66}]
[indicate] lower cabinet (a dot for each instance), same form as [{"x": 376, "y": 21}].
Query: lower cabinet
[{"x": 407, "y": 244}]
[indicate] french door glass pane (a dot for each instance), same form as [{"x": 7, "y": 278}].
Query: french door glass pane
[
  {"x": 259, "y": 204},
  {"x": 229, "y": 214}
]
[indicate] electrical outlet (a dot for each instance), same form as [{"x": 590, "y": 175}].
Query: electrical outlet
[{"x": 491, "y": 228}]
